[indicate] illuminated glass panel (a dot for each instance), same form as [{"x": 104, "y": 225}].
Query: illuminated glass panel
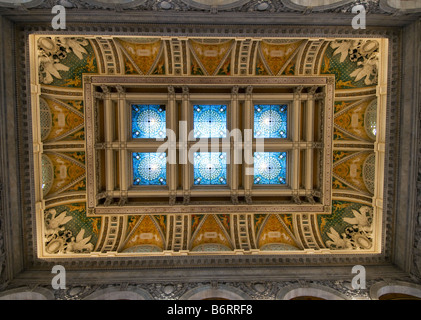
[
  {"x": 370, "y": 120},
  {"x": 270, "y": 167},
  {"x": 210, "y": 121},
  {"x": 148, "y": 121},
  {"x": 270, "y": 121},
  {"x": 210, "y": 168},
  {"x": 149, "y": 168}
]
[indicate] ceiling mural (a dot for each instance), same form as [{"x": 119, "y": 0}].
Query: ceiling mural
[{"x": 353, "y": 224}]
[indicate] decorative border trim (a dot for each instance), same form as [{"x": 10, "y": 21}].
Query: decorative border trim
[{"x": 249, "y": 289}]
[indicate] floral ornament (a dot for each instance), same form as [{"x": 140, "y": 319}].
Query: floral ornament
[
  {"x": 365, "y": 53},
  {"x": 357, "y": 236},
  {"x": 52, "y": 50},
  {"x": 58, "y": 240}
]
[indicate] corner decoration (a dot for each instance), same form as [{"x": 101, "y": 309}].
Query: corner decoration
[
  {"x": 65, "y": 66},
  {"x": 358, "y": 235},
  {"x": 59, "y": 239},
  {"x": 365, "y": 53}
]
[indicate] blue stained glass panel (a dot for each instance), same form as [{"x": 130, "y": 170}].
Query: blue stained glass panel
[
  {"x": 148, "y": 121},
  {"x": 209, "y": 121},
  {"x": 270, "y": 121},
  {"x": 149, "y": 168},
  {"x": 270, "y": 167},
  {"x": 210, "y": 168}
]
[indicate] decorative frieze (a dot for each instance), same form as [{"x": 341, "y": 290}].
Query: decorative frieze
[
  {"x": 265, "y": 8},
  {"x": 339, "y": 289}
]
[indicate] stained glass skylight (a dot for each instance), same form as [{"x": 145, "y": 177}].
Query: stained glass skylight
[
  {"x": 270, "y": 167},
  {"x": 148, "y": 121},
  {"x": 210, "y": 121},
  {"x": 210, "y": 168},
  {"x": 149, "y": 168},
  {"x": 270, "y": 121}
]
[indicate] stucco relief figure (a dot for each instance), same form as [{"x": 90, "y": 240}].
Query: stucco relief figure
[
  {"x": 52, "y": 51},
  {"x": 365, "y": 53}
]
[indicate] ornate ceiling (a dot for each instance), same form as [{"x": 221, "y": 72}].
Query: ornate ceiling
[
  {"x": 377, "y": 6},
  {"x": 354, "y": 222}
]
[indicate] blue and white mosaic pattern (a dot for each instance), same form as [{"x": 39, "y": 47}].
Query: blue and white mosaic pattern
[
  {"x": 270, "y": 121},
  {"x": 148, "y": 121},
  {"x": 270, "y": 167},
  {"x": 210, "y": 121},
  {"x": 149, "y": 168},
  {"x": 210, "y": 168}
]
